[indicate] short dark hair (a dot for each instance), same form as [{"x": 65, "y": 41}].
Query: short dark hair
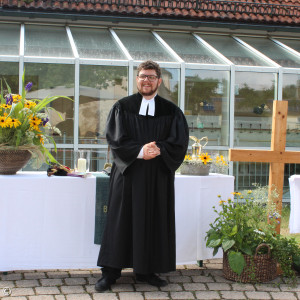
[{"x": 150, "y": 65}]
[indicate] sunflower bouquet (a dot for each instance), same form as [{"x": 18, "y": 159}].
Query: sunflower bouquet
[{"x": 24, "y": 124}]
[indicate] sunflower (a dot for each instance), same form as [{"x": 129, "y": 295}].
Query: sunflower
[{"x": 205, "y": 158}]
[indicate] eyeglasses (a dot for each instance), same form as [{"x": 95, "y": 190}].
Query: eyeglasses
[{"x": 150, "y": 77}]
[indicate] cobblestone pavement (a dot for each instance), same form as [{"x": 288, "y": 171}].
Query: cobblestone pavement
[{"x": 187, "y": 282}]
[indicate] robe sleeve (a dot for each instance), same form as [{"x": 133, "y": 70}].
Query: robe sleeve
[
  {"x": 124, "y": 149},
  {"x": 174, "y": 147}
]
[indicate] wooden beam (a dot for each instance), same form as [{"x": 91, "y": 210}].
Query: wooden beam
[{"x": 267, "y": 156}]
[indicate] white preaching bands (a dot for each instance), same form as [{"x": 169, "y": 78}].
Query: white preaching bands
[{"x": 151, "y": 112}]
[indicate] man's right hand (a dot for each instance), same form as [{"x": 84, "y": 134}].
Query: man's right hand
[{"x": 150, "y": 151}]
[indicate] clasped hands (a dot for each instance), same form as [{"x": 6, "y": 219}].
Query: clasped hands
[{"x": 150, "y": 151}]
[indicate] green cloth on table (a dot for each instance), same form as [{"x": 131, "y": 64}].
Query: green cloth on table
[{"x": 102, "y": 189}]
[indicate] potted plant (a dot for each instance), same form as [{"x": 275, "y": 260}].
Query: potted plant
[
  {"x": 24, "y": 130},
  {"x": 245, "y": 230}
]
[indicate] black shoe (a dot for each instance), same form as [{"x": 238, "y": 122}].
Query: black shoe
[
  {"x": 103, "y": 284},
  {"x": 151, "y": 279}
]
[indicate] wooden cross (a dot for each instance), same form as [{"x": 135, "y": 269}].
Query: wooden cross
[{"x": 277, "y": 156}]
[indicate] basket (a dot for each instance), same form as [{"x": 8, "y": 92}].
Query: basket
[
  {"x": 12, "y": 161},
  {"x": 259, "y": 268}
]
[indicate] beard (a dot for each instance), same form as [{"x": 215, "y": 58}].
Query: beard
[{"x": 151, "y": 91}]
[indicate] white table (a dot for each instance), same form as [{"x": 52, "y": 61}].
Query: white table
[
  {"x": 294, "y": 182},
  {"x": 48, "y": 222},
  {"x": 195, "y": 198}
]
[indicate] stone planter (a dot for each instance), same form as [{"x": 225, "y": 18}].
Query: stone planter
[{"x": 200, "y": 170}]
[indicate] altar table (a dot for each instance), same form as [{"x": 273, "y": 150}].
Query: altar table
[
  {"x": 48, "y": 222},
  {"x": 294, "y": 182}
]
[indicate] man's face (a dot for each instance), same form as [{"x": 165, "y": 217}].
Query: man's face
[{"x": 147, "y": 87}]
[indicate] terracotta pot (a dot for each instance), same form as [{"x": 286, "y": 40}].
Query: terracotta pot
[{"x": 12, "y": 161}]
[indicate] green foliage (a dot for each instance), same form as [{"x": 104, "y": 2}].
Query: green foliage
[{"x": 246, "y": 222}]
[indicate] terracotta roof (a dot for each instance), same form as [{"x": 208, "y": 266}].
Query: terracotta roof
[{"x": 271, "y": 12}]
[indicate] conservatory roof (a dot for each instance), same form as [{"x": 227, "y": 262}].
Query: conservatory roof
[{"x": 270, "y": 12}]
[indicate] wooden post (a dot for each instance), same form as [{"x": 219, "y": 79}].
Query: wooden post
[{"x": 277, "y": 156}]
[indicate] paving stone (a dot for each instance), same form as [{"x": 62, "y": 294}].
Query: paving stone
[
  {"x": 211, "y": 272},
  {"x": 182, "y": 295},
  {"x": 283, "y": 295},
  {"x": 202, "y": 279},
  {"x": 122, "y": 287},
  {"x": 216, "y": 286},
  {"x": 27, "y": 283},
  {"x": 205, "y": 295},
  {"x": 171, "y": 287},
  {"x": 156, "y": 296},
  {"x": 126, "y": 279},
  {"x": 180, "y": 267},
  {"x": 49, "y": 290},
  {"x": 78, "y": 297},
  {"x": 58, "y": 274},
  {"x": 7, "y": 283},
  {"x": 75, "y": 281},
  {"x": 143, "y": 287},
  {"x": 194, "y": 286},
  {"x": 258, "y": 295},
  {"x": 42, "y": 297},
  {"x": 105, "y": 296},
  {"x": 34, "y": 275},
  {"x": 12, "y": 276},
  {"x": 191, "y": 272},
  {"x": 266, "y": 287},
  {"x": 242, "y": 287},
  {"x": 232, "y": 295},
  {"x": 193, "y": 267},
  {"x": 92, "y": 280},
  {"x": 176, "y": 279},
  {"x": 59, "y": 297},
  {"x": 289, "y": 288},
  {"x": 22, "y": 292},
  {"x": 174, "y": 273},
  {"x": 131, "y": 296},
  {"x": 51, "y": 282},
  {"x": 80, "y": 273},
  {"x": 218, "y": 278},
  {"x": 216, "y": 266},
  {"x": 72, "y": 289},
  {"x": 14, "y": 298},
  {"x": 90, "y": 288}
]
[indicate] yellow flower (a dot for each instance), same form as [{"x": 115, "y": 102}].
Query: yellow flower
[
  {"x": 5, "y": 106},
  {"x": 14, "y": 123},
  {"x": 220, "y": 160},
  {"x": 219, "y": 196},
  {"x": 236, "y": 194},
  {"x": 16, "y": 97},
  {"x": 249, "y": 192},
  {"x": 41, "y": 139},
  {"x": 205, "y": 158},
  {"x": 222, "y": 201},
  {"x": 29, "y": 104},
  {"x": 34, "y": 123},
  {"x": 188, "y": 157},
  {"x": 3, "y": 122}
]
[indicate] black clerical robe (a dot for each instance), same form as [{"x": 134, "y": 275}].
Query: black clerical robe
[{"x": 140, "y": 228}]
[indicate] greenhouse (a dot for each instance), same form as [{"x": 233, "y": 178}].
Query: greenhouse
[{"x": 225, "y": 83}]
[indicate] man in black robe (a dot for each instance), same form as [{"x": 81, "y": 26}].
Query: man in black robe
[{"x": 148, "y": 136}]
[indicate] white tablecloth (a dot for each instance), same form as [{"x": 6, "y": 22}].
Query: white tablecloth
[
  {"x": 48, "y": 222},
  {"x": 295, "y": 204}
]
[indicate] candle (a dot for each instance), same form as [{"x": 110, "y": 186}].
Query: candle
[{"x": 81, "y": 165}]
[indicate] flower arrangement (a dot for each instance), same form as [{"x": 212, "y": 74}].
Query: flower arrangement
[
  {"x": 24, "y": 124},
  {"x": 247, "y": 221}
]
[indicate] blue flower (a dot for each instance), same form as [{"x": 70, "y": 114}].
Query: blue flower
[
  {"x": 28, "y": 86},
  {"x": 45, "y": 121}
]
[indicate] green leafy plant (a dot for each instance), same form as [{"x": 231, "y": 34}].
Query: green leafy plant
[
  {"x": 246, "y": 221},
  {"x": 24, "y": 124}
]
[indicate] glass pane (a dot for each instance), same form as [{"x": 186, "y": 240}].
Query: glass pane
[
  {"x": 9, "y": 39},
  {"x": 274, "y": 51},
  {"x": 9, "y": 71},
  {"x": 291, "y": 92},
  {"x": 254, "y": 95},
  {"x": 54, "y": 80},
  {"x": 189, "y": 49},
  {"x": 169, "y": 86},
  {"x": 100, "y": 88},
  {"x": 142, "y": 45},
  {"x": 47, "y": 41},
  {"x": 207, "y": 105},
  {"x": 294, "y": 44},
  {"x": 234, "y": 51},
  {"x": 96, "y": 43}
]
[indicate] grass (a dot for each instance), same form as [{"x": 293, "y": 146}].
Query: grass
[{"x": 285, "y": 217}]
